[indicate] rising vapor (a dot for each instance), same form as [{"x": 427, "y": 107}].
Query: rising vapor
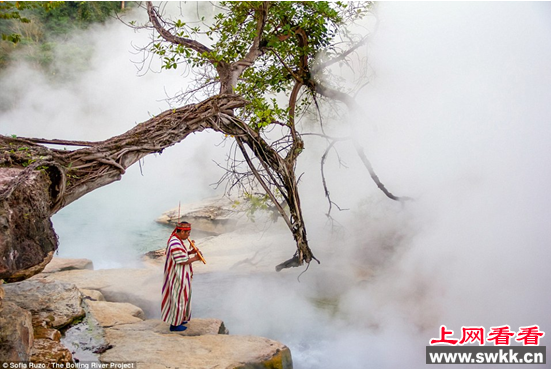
[{"x": 456, "y": 115}]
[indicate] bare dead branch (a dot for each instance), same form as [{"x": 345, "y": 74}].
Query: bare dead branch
[
  {"x": 341, "y": 57},
  {"x": 353, "y": 105}
]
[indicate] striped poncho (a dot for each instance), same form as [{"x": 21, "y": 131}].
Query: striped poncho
[{"x": 176, "y": 302}]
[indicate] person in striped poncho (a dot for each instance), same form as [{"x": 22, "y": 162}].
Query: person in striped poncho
[{"x": 176, "y": 295}]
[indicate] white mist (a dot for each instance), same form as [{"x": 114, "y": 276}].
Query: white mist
[{"x": 456, "y": 116}]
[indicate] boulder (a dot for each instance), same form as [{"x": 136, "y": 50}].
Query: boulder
[
  {"x": 27, "y": 237},
  {"x": 109, "y": 314},
  {"x": 61, "y": 264},
  {"x": 41, "y": 332},
  {"x": 151, "y": 345},
  {"x": 52, "y": 304},
  {"x": 50, "y": 351},
  {"x": 25, "y": 273},
  {"x": 16, "y": 335},
  {"x": 93, "y": 295}
]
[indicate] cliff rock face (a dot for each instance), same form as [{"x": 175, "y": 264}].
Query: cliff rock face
[{"x": 27, "y": 237}]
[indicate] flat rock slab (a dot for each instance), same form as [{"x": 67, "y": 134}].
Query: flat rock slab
[
  {"x": 150, "y": 349},
  {"x": 109, "y": 314},
  {"x": 196, "y": 327},
  {"x": 117, "y": 281},
  {"x": 61, "y": 264}
]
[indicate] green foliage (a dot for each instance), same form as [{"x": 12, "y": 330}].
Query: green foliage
[
  {"x": 72, "y": 15},
  {"x": 256, "y": 202},
  {"x": 253, "y": 203},
  {"x": 264, "y": 111},
  {"x": 13, "y": 10},
  {"x": 23, "y": 156},
  {"x": 232, "y": 32},
  {"x": 39, "y": 27}
]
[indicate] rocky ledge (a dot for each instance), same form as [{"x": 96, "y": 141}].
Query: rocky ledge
[
  {"x": 69, "y": 315},
  {"x": 202, "y": 345},
  {"x": 211, "y": 216}
]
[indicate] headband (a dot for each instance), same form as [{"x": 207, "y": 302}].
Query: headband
[{"x": 183, "y": 226}]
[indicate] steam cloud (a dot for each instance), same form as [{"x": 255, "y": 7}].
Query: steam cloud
[{"x": 457, "y": 116}]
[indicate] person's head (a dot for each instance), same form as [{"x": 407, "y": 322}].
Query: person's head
[{"x": 183, "y": 229}]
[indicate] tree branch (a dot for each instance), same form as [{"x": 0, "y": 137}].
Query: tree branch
[
  {"x": 255, "y": 51},
  {"x": 374, "y": 176},
  {"x": 297, "y": 145},
  {"x": 263, "y": 183},
  {"x": 353, "y": 105},
  {"x": 155, "y": 19},
  {"x": 339, "y": 57},
  {"x": 61, "y": 142}
]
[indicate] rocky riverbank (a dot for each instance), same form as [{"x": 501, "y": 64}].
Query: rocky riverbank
[{"x": 73, "y": 313}]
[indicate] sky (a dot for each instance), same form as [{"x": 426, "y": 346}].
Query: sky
[{"x": 456, "y": 116}]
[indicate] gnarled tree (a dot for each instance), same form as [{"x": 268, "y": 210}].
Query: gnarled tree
[{"x": 263, "y": 65}]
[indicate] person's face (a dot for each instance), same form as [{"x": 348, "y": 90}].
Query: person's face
[{"x": 185, "y": 234}]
